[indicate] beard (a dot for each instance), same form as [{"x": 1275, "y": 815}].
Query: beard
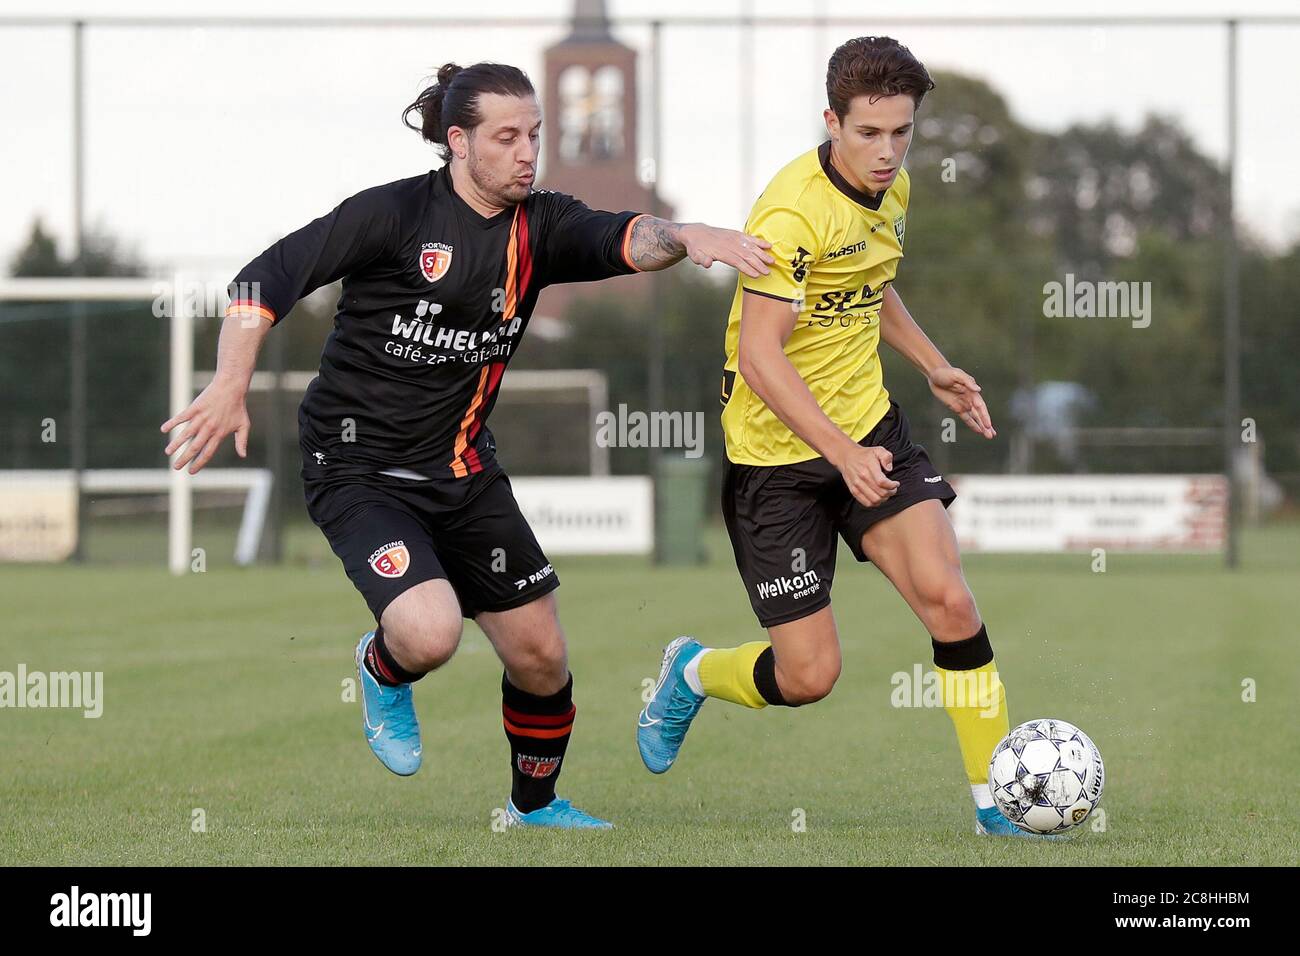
[{"x": 509, "y": 193}]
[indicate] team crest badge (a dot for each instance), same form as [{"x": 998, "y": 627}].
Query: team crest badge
[
  {"x": 537, "y": 766},
  {"x": 898, "y": 229},
  {"x": 435, "y": 260},
  {"x": 391, "y": 561}
]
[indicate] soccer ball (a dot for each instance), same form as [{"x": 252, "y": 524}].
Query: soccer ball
[{"x": 1046, "y": 776}]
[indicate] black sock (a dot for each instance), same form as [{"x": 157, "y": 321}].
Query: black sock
[
  {"x": 765, "y": 678},
  {"x": 973, "y": 652},
  {"x": 538, "y": 729},
  {"x": 378, "y": 660}
]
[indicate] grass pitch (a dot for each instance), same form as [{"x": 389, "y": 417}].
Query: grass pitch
[{"x": 224, "y": 706}]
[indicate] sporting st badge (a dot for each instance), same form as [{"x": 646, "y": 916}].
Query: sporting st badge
[
  {"x": 435, "y": 260},
  {"x": 391, "y": 561}
]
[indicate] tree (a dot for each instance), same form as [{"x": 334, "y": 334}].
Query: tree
[{"x": 101, "y": 255}]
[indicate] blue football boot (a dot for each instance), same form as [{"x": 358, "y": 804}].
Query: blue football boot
[
  {"x": 661, "y": 726},
  {"x": 388, "y": 716},
  {"x": 557, "y": 815},
  {"x": 989, "y": 821}
]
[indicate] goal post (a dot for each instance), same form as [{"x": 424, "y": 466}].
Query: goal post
[{"x": 173, "y": 298}]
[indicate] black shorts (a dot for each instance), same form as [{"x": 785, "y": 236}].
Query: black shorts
[
  {"x": 783, "y": 520},
  {"x": 394, "y": 533}
]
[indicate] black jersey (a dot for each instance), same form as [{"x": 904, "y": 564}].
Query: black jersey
[{"x": 435, "y": 301}]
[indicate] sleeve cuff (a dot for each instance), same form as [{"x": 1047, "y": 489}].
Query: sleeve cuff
[
  {"x": 249, "y": 307},
  {"x": 627, "y": 241},
  {"x": 767, "y": 295}
]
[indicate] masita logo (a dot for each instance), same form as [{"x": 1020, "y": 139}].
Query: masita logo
[
  {"x": 76, "y": 908},
  {"x": 391, "y": 561},
  {"x": 435, "y": 260}
]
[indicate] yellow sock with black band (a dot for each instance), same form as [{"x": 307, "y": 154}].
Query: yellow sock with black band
[
  {"x": 729, "y": 673},
  {"x": 976, "y": 702}
]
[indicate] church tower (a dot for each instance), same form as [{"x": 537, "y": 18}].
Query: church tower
[{"x": 590, "y": 136}]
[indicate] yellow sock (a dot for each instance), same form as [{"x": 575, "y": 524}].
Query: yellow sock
[
  {"x": 728, "y": 673},
  {"x": 977, "y": 704}
]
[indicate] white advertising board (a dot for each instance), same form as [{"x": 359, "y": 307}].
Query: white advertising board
[
  {"x": 589, "y": 515},
  {"x": 38, "y": 515},
  {"x": 1045, "y": 513}
]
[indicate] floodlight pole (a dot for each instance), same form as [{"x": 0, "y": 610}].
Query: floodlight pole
[
  {"x": 655, "y": 356},
  {"x": 747, "y": 82},
  {"x": 655, "y": 378},
  {"x": 1232, "y": 323},
  {"x": 77, "y": 345}
]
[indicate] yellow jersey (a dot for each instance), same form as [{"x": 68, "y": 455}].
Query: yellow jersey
[{"x": 836, "y": 249}]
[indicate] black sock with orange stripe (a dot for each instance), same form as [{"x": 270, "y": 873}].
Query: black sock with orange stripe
[{"x": 538, "y": 729}]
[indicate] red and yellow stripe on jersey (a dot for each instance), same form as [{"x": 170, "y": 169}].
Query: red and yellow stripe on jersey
[{"x": 519, "y": 271}]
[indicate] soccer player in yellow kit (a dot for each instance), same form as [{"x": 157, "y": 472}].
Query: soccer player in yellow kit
[{"x": 815, "y": 446}]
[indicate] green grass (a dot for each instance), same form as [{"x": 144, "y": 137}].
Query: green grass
[{"x": 223, "y": 692}]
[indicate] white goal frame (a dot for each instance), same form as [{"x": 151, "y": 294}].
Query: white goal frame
[{"x": 180, "y": 512}]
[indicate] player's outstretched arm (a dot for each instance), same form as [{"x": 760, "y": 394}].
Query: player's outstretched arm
[
  {"x": 221, "y": 409},
  {"x": 657, "y": 243},
  {"x": 359, "y": 230},
  {"x": 955, "y": 388},
  {"x": 765, "y": 325}
]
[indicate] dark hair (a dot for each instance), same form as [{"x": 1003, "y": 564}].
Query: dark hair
[
  {"x": 876, "y": 67},
  {"x": 453, "y": 99}
]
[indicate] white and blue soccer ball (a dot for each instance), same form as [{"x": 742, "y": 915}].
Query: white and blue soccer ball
[{"x": 1046, "y": 776}]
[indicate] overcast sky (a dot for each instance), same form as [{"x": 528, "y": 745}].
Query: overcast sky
[{"x": 205, "y": 144}]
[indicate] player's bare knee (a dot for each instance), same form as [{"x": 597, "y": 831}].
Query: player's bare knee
[
  {"x": 543, "y": 657},
  {"x": 953, "y": 615},
  {"x": 437, "y": 642},
  {"x": 809, "y": 684},
  {"x": 423, "y": 634},
  {"x": 962, "y": 612}
]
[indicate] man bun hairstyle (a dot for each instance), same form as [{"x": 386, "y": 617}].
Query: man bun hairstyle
[
  {"x": 875, "y": 67},
  {"x": 453, "y": 99}
]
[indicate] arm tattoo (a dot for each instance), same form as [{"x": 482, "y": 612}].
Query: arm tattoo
[{"x": 655, "y": 244}]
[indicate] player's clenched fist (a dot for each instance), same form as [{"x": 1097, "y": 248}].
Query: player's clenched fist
[
  {"x": 219, "y": 410},
  {"x": 864, "y": 471}
]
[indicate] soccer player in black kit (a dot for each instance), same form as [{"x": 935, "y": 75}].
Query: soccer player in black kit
[{"x": 440, "y": 274}]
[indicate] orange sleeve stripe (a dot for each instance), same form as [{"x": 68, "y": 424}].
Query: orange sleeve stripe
[
  {"x": 247, "y": 306},
  {"x": 627, "y": 241},
  {"x": 536, "y": 732}
]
